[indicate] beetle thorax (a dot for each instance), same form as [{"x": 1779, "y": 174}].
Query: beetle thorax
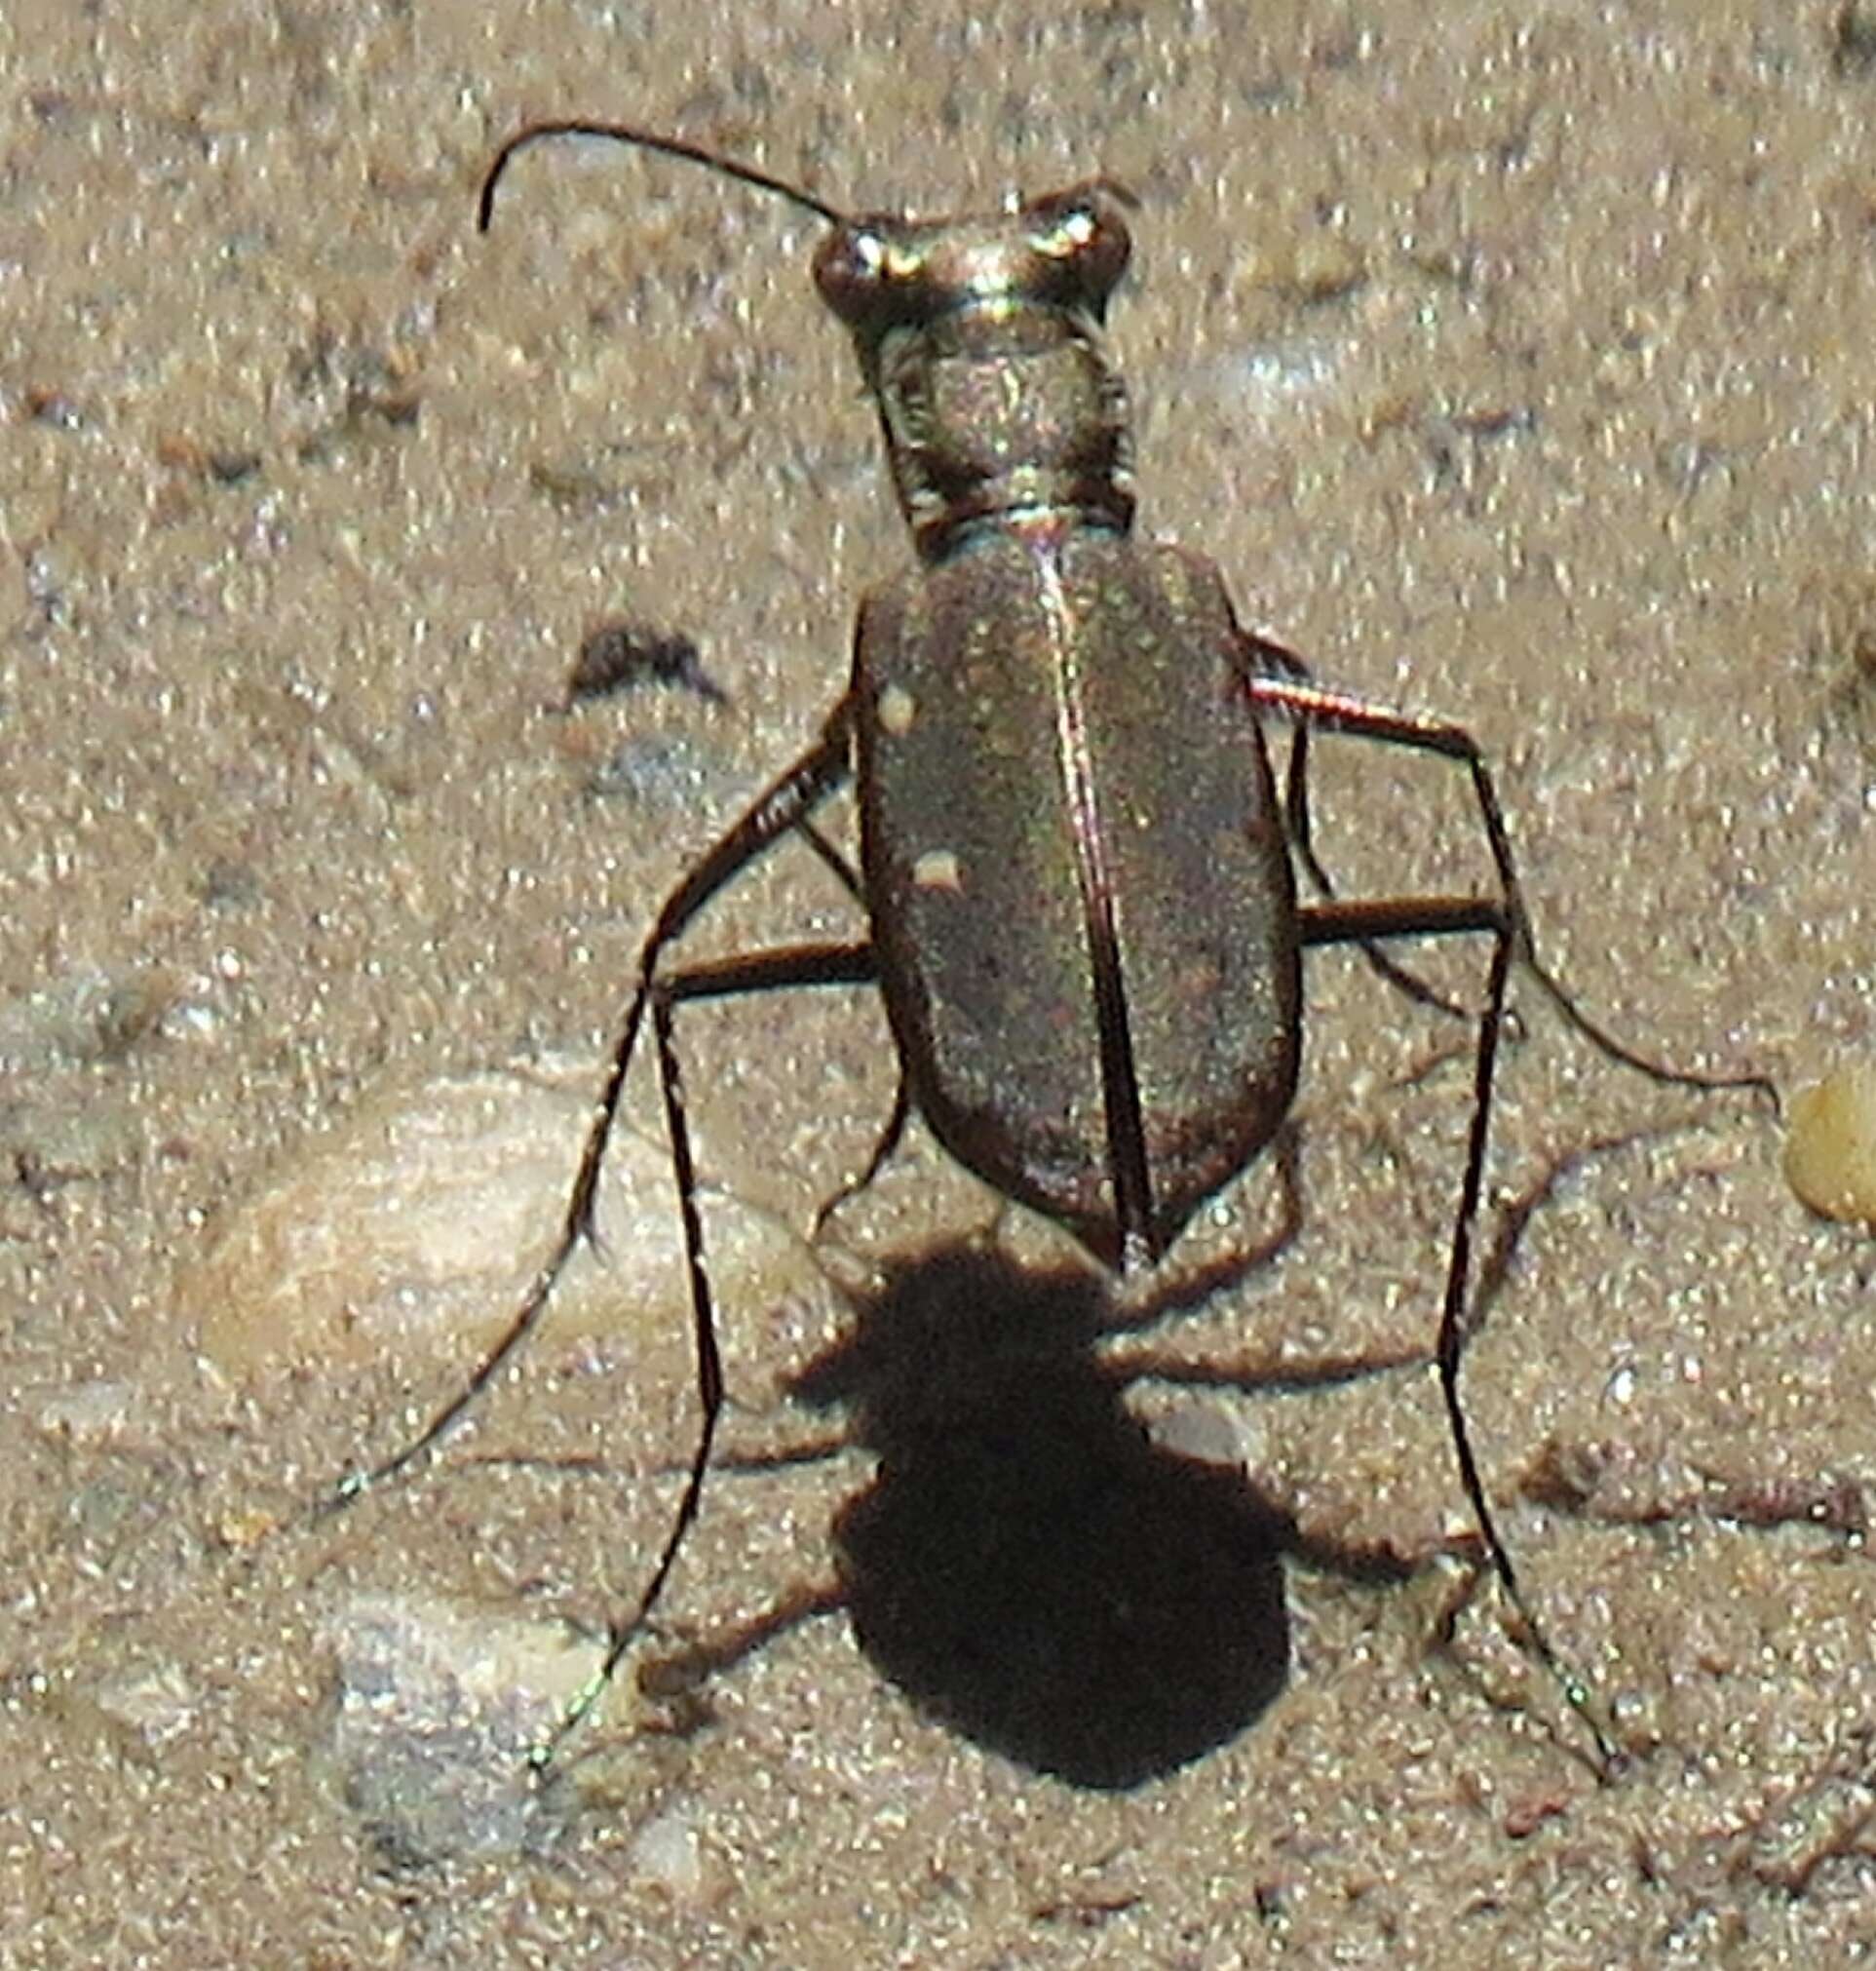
[{"x": 1001, "y": 408}]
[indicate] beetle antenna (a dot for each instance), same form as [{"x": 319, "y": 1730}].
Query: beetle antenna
[{"x": 645, "y": 140}]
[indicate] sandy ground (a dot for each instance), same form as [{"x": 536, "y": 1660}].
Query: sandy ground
[{"x": 1517, "y": 367}]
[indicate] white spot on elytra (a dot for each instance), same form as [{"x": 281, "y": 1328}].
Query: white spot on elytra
[
  {"x": 937, "y": 869},
  {"x": 898, "y": 709}
]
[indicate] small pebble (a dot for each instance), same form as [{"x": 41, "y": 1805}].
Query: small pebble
[
  {"x": 1830, "y": 1147},
  {"x": 415, "y": 1227},
  {"x": 436, "y": 1711},
  {"x": 418, "y": 1222}
]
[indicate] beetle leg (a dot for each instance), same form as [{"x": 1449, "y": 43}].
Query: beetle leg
[
  {"x": 785, "y": 805},
  {"x": 719, "y": 979},
  {"x": 1341, "y": 711},
  {"x": 889, "y": 1141},
  {"x": 1506, "y": 920},
  {"x": 1268, "y": 659},
  {"x": 1436, "y": 916}
]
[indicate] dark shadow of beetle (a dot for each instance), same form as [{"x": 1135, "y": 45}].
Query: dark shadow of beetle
[{"x": 1027, "y": 1564}]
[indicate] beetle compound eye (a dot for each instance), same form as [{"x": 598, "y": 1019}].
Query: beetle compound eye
[
  {"x": 1070, "y": 234},
  {"x": 1082, "y": 233}
]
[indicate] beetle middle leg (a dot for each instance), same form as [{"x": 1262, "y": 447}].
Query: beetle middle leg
[
  {"x": 887, "y": 1143},
  {"x": 850, "y": 964}
]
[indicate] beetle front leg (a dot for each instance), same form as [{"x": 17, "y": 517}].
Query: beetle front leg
[{"x": 785, "y": 804}]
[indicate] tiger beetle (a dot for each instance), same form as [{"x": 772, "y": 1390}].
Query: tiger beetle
[{"x": 1080, "y": 880}]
